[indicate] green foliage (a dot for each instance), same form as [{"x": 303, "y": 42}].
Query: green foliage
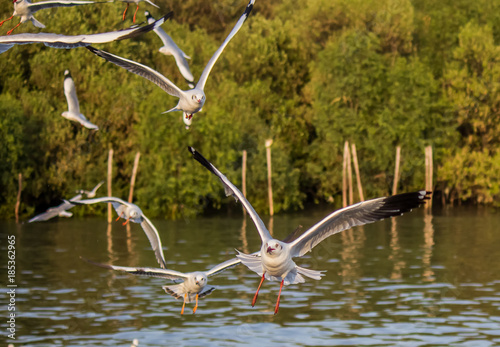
[{"x": 308, "y": 74}]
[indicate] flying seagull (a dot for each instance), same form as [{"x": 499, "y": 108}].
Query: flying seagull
[
  {"x": 62, "y": 210},
  {"x": 190, "y": 101},
  {"x": 274, "y": 261},
  {"x": 132, "y": 212},
  {"x": 25, "y": 10},
  {"x": 170, "y": 48},
  {"x": 73, "y": 112},
  {"x": 193, "y": 284},
  {"x": 137, "y": 8},
  {"x": 64, "y": 41}
]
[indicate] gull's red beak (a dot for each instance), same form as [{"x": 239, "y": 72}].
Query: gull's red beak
[{"x": 270, "y": 249}]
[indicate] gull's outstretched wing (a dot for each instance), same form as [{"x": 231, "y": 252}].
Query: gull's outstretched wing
[
  {"x": 86, "y": 123},
  {"x": 64, "y": 41},
  {"x": 141, "y": 70},
  {"x": 359, "y": 214},
  {"x": 142, "y": 271},
  {"x": 110, "y": 199},
  {"x": 70, "y": 93},
  {"x": 217, "y": 269},
  {"x": 231, "y": 189},
  {"x": 154, "y": 240},
  {"x": 211, "y": 62},
  {"x": 56, "y": 211},
  {"x": 37, "y": 6}
]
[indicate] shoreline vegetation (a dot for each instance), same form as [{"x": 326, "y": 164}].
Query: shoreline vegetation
[{"x": 309, "y": 75}]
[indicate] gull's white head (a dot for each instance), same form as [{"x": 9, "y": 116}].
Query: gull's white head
[
  {"x": 134, "y": 213},
  {"x": 200, "y": 280},
  {"x": 273, "y": 247},
  {"x": 198, "y": 98}
]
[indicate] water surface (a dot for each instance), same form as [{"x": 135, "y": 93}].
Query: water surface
[{"x": 417, "y": 280}]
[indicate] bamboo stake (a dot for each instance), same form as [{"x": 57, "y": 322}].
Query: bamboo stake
[
  {"x": 134, "y": 176},
  {"x": 244, "y": 177},
  {"x": 269, "y": 142},
  {"x": 356, "y": 170},
  {"x": 396, "y": 171},
  {"x": 344, "y": 175},
  {"x": 18, "y": 202},
  {"x": 428, "y": 173},
  {"x": 349, "y": 176},
  {"x": 110, "y": 172}
]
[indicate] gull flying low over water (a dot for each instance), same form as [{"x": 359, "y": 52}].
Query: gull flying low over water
[
  {"x": 190, "y": 101},
  {"x": 274, "y": 261},
  {"x": 132, "y": 212},
  {"x": 25, "y": 10},
  {"x": 193, "y": 284},
  {"x": 73, "y": 112},
  {"x": 64, "y": 41},
  {"x": 170, "y": 48},
  {"x": 62, "y": 210},
  {"x": 128, "y": 2}
]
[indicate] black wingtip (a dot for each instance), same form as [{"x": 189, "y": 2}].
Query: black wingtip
[
  {"x": 95, "y": 263},
  {"x": 201, "y": 159}
]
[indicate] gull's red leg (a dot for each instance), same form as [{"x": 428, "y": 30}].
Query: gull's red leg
[
  {"x": 257, "y": 292},
  {"x": 11, "y": 30},
  {"x": 125, "y": 223},
  {"x": 196, "y": 306},
  {"x": 119, "y": 216},
  {"x": 125, "y": 12},
  {"x": 1, "y": 23},
  {"x": 184, "y": 303},
  {"x": 136, "y": 12},
  {"x": 279, "y": 295}
]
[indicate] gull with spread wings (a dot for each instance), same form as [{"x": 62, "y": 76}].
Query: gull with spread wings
[
  {"x": 194, "y": 285},
  {"x": 67, "y": 41},
  {"x": 275, "y": 262},
  {"x": 62, "y": 210},
  {"x": 190, "y": 101},
  {"x": 25, "y": 10},
  {"x": 132, "y": 212}
]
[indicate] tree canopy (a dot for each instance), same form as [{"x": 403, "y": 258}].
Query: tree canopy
[{"x": 308, "y": 74}]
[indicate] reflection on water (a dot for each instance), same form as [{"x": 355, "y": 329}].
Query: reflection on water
[{"x": 418, "y": 280}]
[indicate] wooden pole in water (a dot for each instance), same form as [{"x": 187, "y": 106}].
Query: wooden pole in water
[
  {"x": 428, "y": 173},
  {"x": 344, "y": 175},
  {"x": 269, "y": 142},
  {"x": 134, "y": 176},
  {"x": 349, "y": 176},
  {"x": 396, "y": 171},
  {"x": 356, "y": 170},
  {"x": 18, "y": 202},
  {"x": 110, "y": 173},
  {"x": 244, "y": 177}
]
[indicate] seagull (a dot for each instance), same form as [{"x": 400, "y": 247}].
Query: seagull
[
  {"x": 274, "y": 261},
  {"x": 64, "y": 41},
  {"x": 73, "y": 112},
  {"x": 170, "y": 48},
  {"x": 193, "y": 284},
  {"x": 25, "y": 10},
  {"x": 137, "y": 3},
  {"x": 91, "y": 193},
  {"x": 132, "y": 212},
  {"x": 190, "y": 101},
  {"x": 62, "y": 210}
]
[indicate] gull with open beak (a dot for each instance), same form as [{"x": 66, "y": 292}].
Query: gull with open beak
[
  {"x": 190, "y": 101},
  {"x": 275, "y": 262},
  {"x": 192, "y": 286},
  {"x": 132, "y": 212}
]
